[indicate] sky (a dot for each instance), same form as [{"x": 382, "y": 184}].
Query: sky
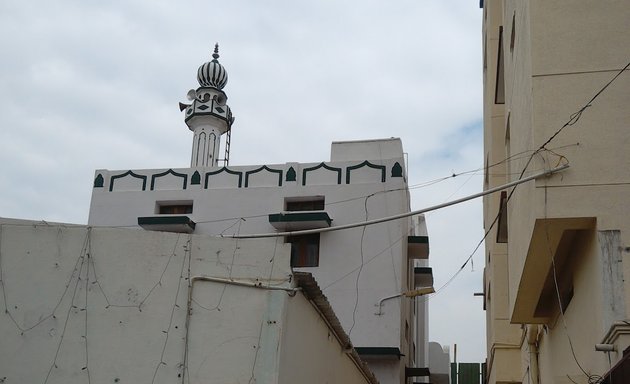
[{"x": 88, "y": 85}]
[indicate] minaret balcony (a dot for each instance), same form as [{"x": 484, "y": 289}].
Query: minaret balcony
[{"x": 211, "y": 107}]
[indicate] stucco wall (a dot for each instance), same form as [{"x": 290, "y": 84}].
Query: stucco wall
[
  {"x": 562, "y": 54},
  {"x": 111, "y": 304},
  {"x": 310, "y": 353}
]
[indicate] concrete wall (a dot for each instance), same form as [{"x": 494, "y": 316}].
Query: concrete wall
[
  {"x": 310, "y": 353},
  {"x": 503, "y": 338},
  {"x": 110, "y": 305},
  {"x": 561, "y": 55}
]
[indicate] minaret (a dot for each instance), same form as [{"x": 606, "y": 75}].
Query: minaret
[{"x": 208, "y": 116}]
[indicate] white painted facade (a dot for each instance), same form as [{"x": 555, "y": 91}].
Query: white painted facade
[
  {"x": 357, "y": 185},
  {"x": 105, "y": 305},
  {"x": 357, "y": 267}
]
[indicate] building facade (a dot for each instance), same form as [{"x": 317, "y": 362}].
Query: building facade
[
  {"x": 363, "y": 271},
  {"x": 556, "y": 278}
]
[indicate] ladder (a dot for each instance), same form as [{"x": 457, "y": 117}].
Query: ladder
[{"x": 226, "y": 158}]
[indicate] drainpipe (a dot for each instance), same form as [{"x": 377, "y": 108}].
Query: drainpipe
[{"x": 532, "y": 342}]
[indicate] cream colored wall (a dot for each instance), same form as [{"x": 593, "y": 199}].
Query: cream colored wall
[
  {"x": 564, "y": 52},
  {"x": 309, "y": 351},
  {"x": 503, "y": 338},
  {"x": 582, "y": 321},
  {"x": 559, "y": 87}
]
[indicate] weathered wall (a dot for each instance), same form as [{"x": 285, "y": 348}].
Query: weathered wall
[
  {"x": 562, "y": 54},
  {"x": 110, "y": 305},
  {"x": 310, "y": 353}
]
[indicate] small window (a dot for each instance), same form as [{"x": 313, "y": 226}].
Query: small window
[
  {"x": 174, "y": 208},
  {"x": 313, "y": 203},
  {"x": 499, "y": 92},
  {"x": 502, "y": 225},
  {"x": 304, "y": 250},
  {"x": 487, "y": 169},
  {"x": 513, "y": 34}
]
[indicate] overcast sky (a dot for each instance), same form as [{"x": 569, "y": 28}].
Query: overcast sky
[{"x": 87, "y": 84}]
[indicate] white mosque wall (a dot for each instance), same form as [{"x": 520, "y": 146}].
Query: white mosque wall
[{"x": 357, "y": 267}]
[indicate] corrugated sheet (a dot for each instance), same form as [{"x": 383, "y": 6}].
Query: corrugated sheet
[
  {"x": 469, "y": 373},
  {"x": 311, "y": 290}
]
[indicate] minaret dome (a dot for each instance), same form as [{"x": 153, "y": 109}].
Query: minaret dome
[{"x": 212, "y": 73}]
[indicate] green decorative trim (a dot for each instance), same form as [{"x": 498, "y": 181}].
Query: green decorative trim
[
  {"x": 379, "y": 351},
  {"x": 365, "y": 164},
  {"x": 195, "y": 179},
  {"x": 99, "y": 181},
  {"x": 321, "y": 165},
  {"x": 128, "y": 173},
  {"x": 177, "y": 174},
  {"x": 161, "y": 220},
  {"x": 226, "y": 170},
  {"x": 264, "y": 167},
  {"x": 299, "y": 217},
  {"x": 291, "y": 176},
  {"x": 418, "y": 239},
  {"x": 166, "y": 220},
  {"x": 397, "y": 170}
]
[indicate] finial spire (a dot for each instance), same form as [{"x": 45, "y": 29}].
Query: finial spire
[{"x": 215, "y": 55}]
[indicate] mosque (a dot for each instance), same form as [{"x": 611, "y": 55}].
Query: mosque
[{"x": 294, "y": 272}]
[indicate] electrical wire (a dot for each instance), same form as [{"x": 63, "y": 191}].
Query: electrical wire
[
  {"x": 356, "y": 301},
  {"x": 573, "y": 119}
]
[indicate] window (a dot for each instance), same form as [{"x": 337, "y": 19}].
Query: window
[
  {"x": 508, "y": 148},
  {"x": 174, "y": 207},
  {"x": 513, "y": 34},
  {"x": 315, "y": 203},
  {"x": 502, "y": 227},
  {"x": 487, "y": 169},
  {"x": 499, "y": 94},
  {"x": 304, "y": 250}
]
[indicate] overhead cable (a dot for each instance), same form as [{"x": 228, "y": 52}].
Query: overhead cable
[{"x": 402, "y": 215}]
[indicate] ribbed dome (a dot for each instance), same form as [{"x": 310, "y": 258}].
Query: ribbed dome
[{"x": 212, "y": 74}]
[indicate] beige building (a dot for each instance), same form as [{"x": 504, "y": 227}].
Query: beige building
[{"x": 557, "y": 275}]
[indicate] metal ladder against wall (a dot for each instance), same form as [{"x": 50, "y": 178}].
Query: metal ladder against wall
[{"x": 226, "y": 158}]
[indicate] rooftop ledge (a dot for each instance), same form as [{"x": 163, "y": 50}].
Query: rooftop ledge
[
  {"x": 167, "y": 223},
  {"x": 296, "y": 221}
]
